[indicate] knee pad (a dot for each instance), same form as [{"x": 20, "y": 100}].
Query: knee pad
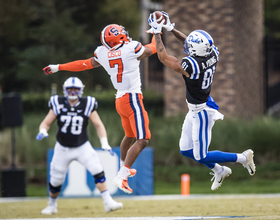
[
  {"x": 99, "y": 178},
  {"x": 54, "y": 189}
]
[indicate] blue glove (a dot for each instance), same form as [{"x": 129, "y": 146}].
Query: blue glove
[
  {"x": 105, "y": 145},
  {"x": 42, "y": 134},
  {"x": 155, "y": 27}
]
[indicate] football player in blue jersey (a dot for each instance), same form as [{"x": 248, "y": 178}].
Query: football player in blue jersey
[
  {"x": 72, "y": 112},
  {"x": 198, "y": 69}
]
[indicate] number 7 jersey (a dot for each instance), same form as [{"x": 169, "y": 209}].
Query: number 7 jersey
[
  {"x": 122, "y": 66},
  {"x": 72, "y": 121}
]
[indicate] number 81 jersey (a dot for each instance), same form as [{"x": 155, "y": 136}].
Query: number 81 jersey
[
  {"x": 72, "y": 121},
  {"x": 201, "y": 70}
]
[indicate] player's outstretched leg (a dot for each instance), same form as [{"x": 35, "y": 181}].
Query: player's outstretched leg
[
  {"x": 50, "y": 209},
  {"x": 249, "y": 164},
  {"x": 112, "y": 205},
  {"x": 218, "y": 178}
]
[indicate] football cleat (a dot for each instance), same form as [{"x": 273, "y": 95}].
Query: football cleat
[
  {"x": 112, "y": 205},
  {"x": 218, "y": 178},
  {"x": 49, "y": 210},
  {"x": 132, "y": 172},
  {"x": 249, "y": 164},
  {"x": 122, "y": 184}
]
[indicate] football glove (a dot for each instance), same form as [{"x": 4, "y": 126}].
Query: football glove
[
  {"x": 168, "y": 26},
  {"x": 105, "y": 145},
  {"x": 50, "y": 69},
  {"x": 156, "y": 27},
  {"x": 42, "y": 134}
]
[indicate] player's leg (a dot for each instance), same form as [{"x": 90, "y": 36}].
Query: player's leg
[
  {"x": 135, "y": 122},
  {"x": 89, "y": 158},
  {"x": 58, "y": 170},
  {"x": 203, "y": 124}
]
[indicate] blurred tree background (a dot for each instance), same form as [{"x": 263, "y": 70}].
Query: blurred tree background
[{"x": 34, "y": 34}]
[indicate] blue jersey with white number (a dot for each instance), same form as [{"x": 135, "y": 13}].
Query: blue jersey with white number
[
  {"x": 72, "y": 121},
  {"x": 201, "y": 70}
]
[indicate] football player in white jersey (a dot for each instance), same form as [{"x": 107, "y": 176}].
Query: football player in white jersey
[
  {"x": 120, "y": 56},
  {"x": 72, "y": 112},
  {"x": 198, "y": 70}
]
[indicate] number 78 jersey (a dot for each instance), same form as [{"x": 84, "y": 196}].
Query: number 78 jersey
[
  {"x": 201, "y": 71},
  {"x": 72, "y": 121},
  {"x": 122, "y": 66}
]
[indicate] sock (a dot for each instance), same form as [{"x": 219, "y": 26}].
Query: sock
[
  {"x": 121, "y": 163},
  {"x": 218, "y": 169},
  {"x": 124, "y": 172},
  {"x": 105, "y": 195},
  {"x": 52, "y": 201},
  {"x": 241, "y": 158}
]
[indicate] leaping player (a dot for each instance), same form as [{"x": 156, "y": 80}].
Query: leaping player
[
  {"x": 120, "y": 56},
  {"x": 198, "y": 69}
]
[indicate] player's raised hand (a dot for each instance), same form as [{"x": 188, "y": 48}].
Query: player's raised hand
[
  {"x": 50, "y": 69},
  {"x": 168, "y": 26},
  {"x": 42, "y": 134},
  {"x": 155, "y": 26}
]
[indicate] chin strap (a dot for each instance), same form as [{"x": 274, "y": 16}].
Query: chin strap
[{"x": 75, "y": 66}]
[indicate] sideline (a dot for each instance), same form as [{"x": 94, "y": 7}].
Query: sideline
[{"x": 154, "y": 197}]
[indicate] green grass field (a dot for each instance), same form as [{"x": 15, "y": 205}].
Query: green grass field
[{"x": 245, "y": 206}]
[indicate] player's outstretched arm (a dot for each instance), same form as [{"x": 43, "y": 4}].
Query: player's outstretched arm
[
  {"x": 169, "y": 61},
  {"x": 101, "y": 131},
  {"x": 179, "y": 35},
  {"x": 74, "y": 66},
  {"x": 45, "y": 125}
]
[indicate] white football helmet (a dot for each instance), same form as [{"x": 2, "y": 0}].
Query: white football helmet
[
  {"x": 73, "y": 82},
  {"x": 198, "y": 43}
]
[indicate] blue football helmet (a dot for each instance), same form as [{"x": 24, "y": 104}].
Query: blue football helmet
[
  {"x": 198, "y": 43},
  {"x": 73, "y": 82}
]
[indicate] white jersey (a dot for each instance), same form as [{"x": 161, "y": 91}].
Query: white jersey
[{"x": 122, "y": 66}]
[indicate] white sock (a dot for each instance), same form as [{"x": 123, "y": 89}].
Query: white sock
[
  {"x": 106, "y": 195},
  {"x": 52, "y": 201},
  {"x": 218, "y": 169},
  {"x": 124, "y": 172},
  {"x": 241, "y": 158},
  {"x": 121, "y": 163}
]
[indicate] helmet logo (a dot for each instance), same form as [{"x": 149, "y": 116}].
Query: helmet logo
[
  {"x": 114, "y": 31},
  {"x": 192, "y": 39}
]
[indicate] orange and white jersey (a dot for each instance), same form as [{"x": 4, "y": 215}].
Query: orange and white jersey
[{"x": 122, "y": 66}]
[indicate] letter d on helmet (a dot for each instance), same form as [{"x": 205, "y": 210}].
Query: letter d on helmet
[{"x": 198, "y": 43}]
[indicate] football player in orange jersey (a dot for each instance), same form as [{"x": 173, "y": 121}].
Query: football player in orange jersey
[{"x": 120, "y": 56}]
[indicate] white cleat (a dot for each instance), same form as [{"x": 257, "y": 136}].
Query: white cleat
[
  {"x": 218, "y": 178},
  {"x": 49, "y": 210},
  {"x": 112, "y": 205},
  {"x": 122, "y": 184},
  {"x": 249, "y": 164}
]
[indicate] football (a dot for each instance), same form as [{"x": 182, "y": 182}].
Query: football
[{"x": 160, "y": 17}]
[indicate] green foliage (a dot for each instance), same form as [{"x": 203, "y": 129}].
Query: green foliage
[{"x": 37, "y": 33}]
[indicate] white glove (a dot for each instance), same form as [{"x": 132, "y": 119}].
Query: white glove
[
  {"x": 156, "y": 27},
  {"x": 168, "y": 26},
  {"x": 105, "y": 145},
  {"x": 50, "y": 69},
  {"x": 42, "y": 134}
]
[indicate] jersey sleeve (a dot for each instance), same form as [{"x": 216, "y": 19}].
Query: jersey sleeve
[
  {"x": 96, "y": 54},
  {"x": 90, "y": 106},
  {"x": 138, "y": 48},
  {"x": 54, "y": 104},
  {"x": 190, "y": 65}
]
